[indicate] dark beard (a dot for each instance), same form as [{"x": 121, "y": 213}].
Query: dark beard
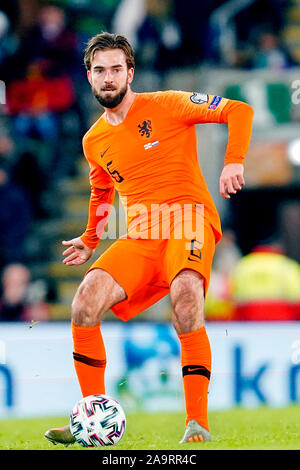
[{"x": 111, "y": 101}]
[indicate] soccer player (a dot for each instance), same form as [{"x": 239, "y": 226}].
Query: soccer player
[{"x": 144, "y": 146}]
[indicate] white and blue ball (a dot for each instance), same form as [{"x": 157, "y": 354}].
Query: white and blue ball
[{"x": 97, "y": 420}]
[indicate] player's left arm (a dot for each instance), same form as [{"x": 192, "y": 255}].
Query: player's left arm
[
  {"x": 238, "y": 116},
  {"x": 200, "y": 108},
  {"x": 231, "y": 179}
]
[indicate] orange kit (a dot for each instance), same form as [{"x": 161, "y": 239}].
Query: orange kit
[{"x": 151, "y": 160}]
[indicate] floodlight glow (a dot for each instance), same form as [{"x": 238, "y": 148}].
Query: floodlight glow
[{"x": 294, "y": 152}]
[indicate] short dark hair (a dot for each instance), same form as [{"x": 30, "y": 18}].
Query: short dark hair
[{"x": 104, "y": 41}]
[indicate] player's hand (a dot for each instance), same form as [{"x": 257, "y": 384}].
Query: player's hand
[
  {"x": 231, "y": 179},
  {"x": 77, "y": 253}
]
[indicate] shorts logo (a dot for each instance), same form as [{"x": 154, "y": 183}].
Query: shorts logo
[
  {"x": 199, "y": 98},
  {"x": 145, "y": 128},
  {"x": 215, "y": 102}
]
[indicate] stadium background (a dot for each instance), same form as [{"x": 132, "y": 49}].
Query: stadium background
[{"x": 241, "y": 49}]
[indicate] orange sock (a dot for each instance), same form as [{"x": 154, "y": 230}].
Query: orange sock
[
  {"x": 89, "y": 359},
  {"x": 196, "y": 367}
]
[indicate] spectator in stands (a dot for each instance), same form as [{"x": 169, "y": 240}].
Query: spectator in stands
[
  {"x": 7, "y": 149},
  {"x": 257, "y": 15},
  {"x": 36, "y": 101},
  {"x": 58, "y": 43},
  {"x": 196, "y": 35},
  {"x": 43, "y": 87},
  {"x": 270, "y": 53},
  {"x": 15, "y": 218},
  {"x": 49, "y": 43},
  {"x": 27, "y": 173},
  {"x": 147, "y": 23},
  {"x": 16, "y": 303},
  {"x": 40, "y": 87},
  {"x": 8, "y": 41},
  {"x": 159, "y": 36},
  {"x": 235, "y": 27},
  {"x": 266, "y": 285}
]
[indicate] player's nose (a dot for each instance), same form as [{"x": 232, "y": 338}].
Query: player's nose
[{"x": 108, "y": 77}]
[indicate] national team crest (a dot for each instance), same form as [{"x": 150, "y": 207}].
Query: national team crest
[
  {"x": 199, "y": 98},
  {"x": 145, "y": 128}
]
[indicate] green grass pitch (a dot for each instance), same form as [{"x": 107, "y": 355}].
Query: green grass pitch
[{"x": 258, "y": 429}]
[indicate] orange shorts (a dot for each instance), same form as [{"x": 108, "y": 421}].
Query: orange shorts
[{"x": 145, "y": 268}]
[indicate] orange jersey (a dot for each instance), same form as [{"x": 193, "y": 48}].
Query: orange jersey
[{"x": 151, "y": 157}]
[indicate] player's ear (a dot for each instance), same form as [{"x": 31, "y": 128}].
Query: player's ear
[
  {"x": 130, "y": 74},
  {"x": 89, "y": 77}
]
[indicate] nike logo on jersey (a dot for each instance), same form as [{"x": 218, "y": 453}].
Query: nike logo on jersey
[{"x": 102, "y": 154}]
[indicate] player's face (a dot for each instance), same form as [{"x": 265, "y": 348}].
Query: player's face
[{"x": 110, "y": 77}]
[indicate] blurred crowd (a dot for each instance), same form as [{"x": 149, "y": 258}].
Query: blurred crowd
[
  {"x": 45, "y": 114},
  {"x": 262, "y": 285},
  {"x": 170, "y": 33}
]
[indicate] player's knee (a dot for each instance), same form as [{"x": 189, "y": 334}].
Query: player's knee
[
  {"x": 187, "y": 314},
  {"x": 186, "y": 289},
  {"x": 187, "y": 301},
  {"x": 85, "y": 312}
]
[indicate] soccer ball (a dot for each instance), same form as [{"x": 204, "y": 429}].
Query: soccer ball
[{"x": 97, "y": 420}]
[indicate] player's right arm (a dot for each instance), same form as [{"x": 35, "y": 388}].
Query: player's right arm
[
  {"x": 77, "y": 252},
  {"x": 80, "y": 249}
]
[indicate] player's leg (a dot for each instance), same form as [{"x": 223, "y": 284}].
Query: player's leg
[
  {"x": 120, "y": 280},
  {"x": 188, "y": 266},
  {"x": 187, "y": 299},
  {"x": 95, "y": 295},
  {"x": 113, "y": 281}
]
